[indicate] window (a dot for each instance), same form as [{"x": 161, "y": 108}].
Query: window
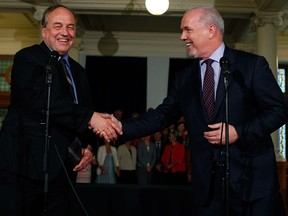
[
  {"x": 281, "y": 77},
  {"x": 6, "y": 62}
]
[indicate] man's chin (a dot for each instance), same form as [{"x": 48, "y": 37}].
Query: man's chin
[{"x": 192, "y": 54}]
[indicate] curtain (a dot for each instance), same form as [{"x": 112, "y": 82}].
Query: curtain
[
  {"x": 118, "y": 82},
  {"x": 176, "y": 65}
]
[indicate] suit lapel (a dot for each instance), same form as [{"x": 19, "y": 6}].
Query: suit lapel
[
  {"x": 220, "y": 94},
  {"x": 198, "y": 85},
  {"x": 197, "y": 89}
]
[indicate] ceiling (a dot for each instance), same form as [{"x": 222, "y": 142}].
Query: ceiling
[{"x": 132, "y": 16}]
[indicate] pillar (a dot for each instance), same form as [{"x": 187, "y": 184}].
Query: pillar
[
  {"x": 39, "y": 11},
  {"x": 266, "y": 24}
]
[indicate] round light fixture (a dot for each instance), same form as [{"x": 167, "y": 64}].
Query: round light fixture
[
  {"x": 157, "y": 7},
  {"x": 108, "y": 45}
]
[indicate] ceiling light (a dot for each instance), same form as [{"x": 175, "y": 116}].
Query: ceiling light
[
  {"x": 157, "y": 7},
  {"x": 108, "y": 45}
]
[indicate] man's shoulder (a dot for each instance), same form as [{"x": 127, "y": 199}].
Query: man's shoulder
[
  {"x": 75, "y": 64},
  {"x": 240, "y": 53},
  {"x": 239, "y": 56},
  {"x": 29, "y": 48},
  {"x": 35, "y": 50}
]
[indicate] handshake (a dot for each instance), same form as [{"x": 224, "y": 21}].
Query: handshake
[{"x": 105, "y": 125}]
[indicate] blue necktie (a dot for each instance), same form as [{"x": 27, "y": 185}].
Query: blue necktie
[
  {"x": 74, "y": 148},
  {"x": 69, "y": 79}
]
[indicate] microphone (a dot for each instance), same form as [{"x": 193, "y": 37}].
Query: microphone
[
  {"x": 50, "y": 67},
  {"x": 53, "y": 57},
  {"x": 224, "y": 64}
]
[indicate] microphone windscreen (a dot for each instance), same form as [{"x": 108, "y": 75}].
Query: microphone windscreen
[
  {"x": 224, "y": 64},
  {"x": 54, "y": 54}
]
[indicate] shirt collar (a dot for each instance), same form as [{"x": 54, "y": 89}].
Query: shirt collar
[
  {"x": 217, "y": 54},
  {"x": 66, "y": 57}
]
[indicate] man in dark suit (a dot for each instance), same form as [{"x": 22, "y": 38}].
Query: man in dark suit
[
  {"x": 157, "y": 172},
  {"x": 23, "y": 136},
  {"x": 256, "y": 109}
]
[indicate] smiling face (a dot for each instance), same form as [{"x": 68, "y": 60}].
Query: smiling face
[
  {"x": 60, "y": 30},
  {"x": 200, "y": 35},
  {"x": 194, "y": 34}
]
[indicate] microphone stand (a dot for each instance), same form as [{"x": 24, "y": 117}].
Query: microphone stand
[
  {"x": 47, "y": 137},
  {"x": 49, "y": 69},
  {"x": 226, "y": 174}
]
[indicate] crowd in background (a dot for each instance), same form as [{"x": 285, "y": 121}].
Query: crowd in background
[{"x": 162, "y": 158}]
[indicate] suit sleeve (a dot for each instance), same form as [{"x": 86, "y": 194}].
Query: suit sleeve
[
  {"x": 268, "y": 109},
  {"x": 156, "y": 120}
]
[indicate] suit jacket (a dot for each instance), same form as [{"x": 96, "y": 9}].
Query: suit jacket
[
  {"x": 22, "y": 136},
  {"x": 177, "y": 154},
  {"x": 144, "y": 156},
  {"x": 256, "y": 109},
  {"x": 161, "y": 150}
]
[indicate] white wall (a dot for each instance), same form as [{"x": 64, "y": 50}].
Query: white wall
[{"x": 157, "y": 80}]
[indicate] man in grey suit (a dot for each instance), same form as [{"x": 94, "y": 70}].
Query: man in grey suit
[
  {"x": 23, "y": 167},
  {"x": 256, "y": 109}
]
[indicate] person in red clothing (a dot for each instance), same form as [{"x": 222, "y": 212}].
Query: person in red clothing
[{"x": 173, "y": 160}]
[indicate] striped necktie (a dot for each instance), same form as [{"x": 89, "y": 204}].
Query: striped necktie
[
  {"x": 69, "y": 78},
  {"x": 74, "y": 148}
]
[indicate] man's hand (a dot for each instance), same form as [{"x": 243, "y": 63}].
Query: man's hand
[
  {"x": 214, "y": 136},
  {"x": 106, "y": 126},
  {"x": 86, "y": 160}
]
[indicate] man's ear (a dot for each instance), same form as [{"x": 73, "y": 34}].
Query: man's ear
[{"x": 212, "y": 30}]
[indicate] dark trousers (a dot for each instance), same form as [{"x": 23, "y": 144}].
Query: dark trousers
[
  {"x": 268, "y": 206},
  {"x": 127, "y": 177},
  {"x": 158, "y": 178},
  {"x": 176, "y": 178},
  {"x": 21, "y": 196},
  {"x": 271, "y": 205}
]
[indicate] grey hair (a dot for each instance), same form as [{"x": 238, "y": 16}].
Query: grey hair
[
  {"x": 52, "y": 8},
  {"x": 210, "y": 16}
]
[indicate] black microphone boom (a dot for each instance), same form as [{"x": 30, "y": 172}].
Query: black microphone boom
[
  {"x": 224, "y": 64},
  {"x": 49, "y": 68},
  {"x": 53, "y": 57}
]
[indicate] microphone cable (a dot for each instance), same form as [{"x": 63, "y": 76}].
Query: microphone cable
[{"x": 69, "y": 180}]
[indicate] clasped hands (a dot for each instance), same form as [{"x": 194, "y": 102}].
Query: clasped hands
[{"x": 106, "y": 126}]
